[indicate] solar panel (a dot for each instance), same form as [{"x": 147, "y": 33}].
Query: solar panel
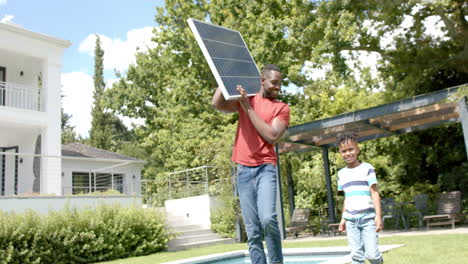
[{"x": 228, "y": 57}]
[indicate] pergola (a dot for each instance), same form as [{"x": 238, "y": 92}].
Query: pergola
[{"x": 403, "y": 116}]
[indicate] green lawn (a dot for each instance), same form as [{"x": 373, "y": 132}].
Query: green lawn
[{"x": 421, "y": 249}]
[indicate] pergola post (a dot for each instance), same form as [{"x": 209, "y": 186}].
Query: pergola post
[
  {"x": 291, "y": 192},
  {"x": 464, "y": 121},
  {"x": 279, "y": 196},
  {"x": 331, "y": 204}
]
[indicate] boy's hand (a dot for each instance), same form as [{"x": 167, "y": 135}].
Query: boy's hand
[
  {"x": 342, "y": 226},
  {"x": 378, "y": 224}
]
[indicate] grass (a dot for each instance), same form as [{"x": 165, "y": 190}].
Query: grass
[{"x": 419, "y": 249}]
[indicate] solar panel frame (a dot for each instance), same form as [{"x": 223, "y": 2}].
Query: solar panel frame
[{"x": 226, "y": 52}]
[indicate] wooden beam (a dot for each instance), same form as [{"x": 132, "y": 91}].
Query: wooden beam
[
  {"x": 375, "y": 112},
  {"x": 419, "y": 122},
  {"x": 287, "y": 146},
  {"x": 363, "y": 133},
  {"x": 413, "y": 112}
]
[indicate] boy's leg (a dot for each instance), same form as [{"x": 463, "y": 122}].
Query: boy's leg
[
  {"x": 247, "y": 189},
  {"x": 353, "y": 232},
  {"x": 371, "y": 243},
  {"x": 266, "y": 203}
]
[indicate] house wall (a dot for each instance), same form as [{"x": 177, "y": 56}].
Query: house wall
[
  {"x": 25, "y": 140},
  {"x": 131, "y": 185},
  {"x": 195, "y": 210},
  {"x": 45, "y": 204},
  {"x": 16, "y": 63},
  {"x": 35, "y": 53}
]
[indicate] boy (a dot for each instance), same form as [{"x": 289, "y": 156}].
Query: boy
[{"x": 361, "y": 216}]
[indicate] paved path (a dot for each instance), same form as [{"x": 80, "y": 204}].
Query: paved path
[{"x": 457, "y": 230}]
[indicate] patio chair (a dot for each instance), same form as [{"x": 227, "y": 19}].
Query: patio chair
[
  {"x": 327, "y": 227},
  {"x": 448, "y": 210},
  {"x": 299, "y": 221},
  {"x": 420, "y": 206},
  {"x": 391, "y": 210}
]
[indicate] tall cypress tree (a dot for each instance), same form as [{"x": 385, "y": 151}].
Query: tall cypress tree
[{"x": 100, "y": 135}]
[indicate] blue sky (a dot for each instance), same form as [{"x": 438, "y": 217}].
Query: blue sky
[{"x": 122, "y": 24}]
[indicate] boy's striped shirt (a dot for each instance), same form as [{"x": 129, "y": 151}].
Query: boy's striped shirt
[{"x": 356, "y": 183}]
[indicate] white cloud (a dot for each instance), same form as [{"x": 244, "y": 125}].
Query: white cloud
[
  {"x": 77, "y": 89},
  {"x": 3, "y": 2},
  {"x": 7, "y": 18},
  {"x": 118, "y": 54},
  {"x": 77, "y": 101}
]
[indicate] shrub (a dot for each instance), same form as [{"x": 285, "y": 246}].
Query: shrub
[{"x": 81, "y": 236}]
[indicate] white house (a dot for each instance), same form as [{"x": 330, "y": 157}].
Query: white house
[
  {"x": 86, "y": 169},
  {"x": 31, "y": 159}
]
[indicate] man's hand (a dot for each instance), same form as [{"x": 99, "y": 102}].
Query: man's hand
[
  {"x": 272, "y": 132},
  {"x": 378, "y": 224},
  {"x": 342, "y": 226},
  {"x": 244, "y": 99}
]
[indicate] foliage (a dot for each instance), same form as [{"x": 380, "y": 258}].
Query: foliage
[
  {"x": 395, "y": 31},
  {"x": 224, "y": 216},
  {"x": 170, "y": 86},
  {"x": 68, "y": 131},
  {"x": 100, "y": 135},
  {"x": 81, "y": 236}
]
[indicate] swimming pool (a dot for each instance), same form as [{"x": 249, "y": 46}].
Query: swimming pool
[
  {"x": 309, "y": 259},
  {"x": 322, "y": 255}
]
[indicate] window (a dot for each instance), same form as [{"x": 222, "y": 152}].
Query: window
[
  {"x": 84, "y": 182},
  {"x": 2, "y": 85}
]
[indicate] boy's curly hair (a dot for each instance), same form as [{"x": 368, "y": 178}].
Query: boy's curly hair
[{"x": 345, "y": 136}]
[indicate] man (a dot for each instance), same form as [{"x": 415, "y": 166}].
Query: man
[{"x": 262, "y": 121}]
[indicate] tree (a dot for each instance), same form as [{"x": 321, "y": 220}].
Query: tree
[
  {"x": 170, "y": 86},
  {"x": 68, "y": 131},
  {"x": 100, "y": 135},
  {"x": 397, "y": 32}
]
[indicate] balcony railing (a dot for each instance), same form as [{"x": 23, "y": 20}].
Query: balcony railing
[{"x": 19, "y": 96}]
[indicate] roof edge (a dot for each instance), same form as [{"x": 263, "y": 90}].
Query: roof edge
[{"x": 18, "y": 29}]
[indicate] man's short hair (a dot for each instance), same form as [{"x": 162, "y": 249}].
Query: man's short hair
[
  {"x": 345, "y": 136},
  {"x": 270, "y": 67}
]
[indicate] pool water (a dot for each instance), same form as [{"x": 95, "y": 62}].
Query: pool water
[{"x": 309, "y": 259}]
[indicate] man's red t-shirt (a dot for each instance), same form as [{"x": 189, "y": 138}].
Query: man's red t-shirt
[{"x": 250, "y": 149}]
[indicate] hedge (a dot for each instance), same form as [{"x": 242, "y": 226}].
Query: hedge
[{"x": 81, "y": 235}]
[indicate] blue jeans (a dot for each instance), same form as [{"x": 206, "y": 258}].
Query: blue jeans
[
  {"x": 363, "y": 240},
  {"x": 257, "y": 193}
]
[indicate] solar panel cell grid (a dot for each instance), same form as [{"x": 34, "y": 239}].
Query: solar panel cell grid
[
  {"x": 231, "y": 68},
  {"x": 232, "y": 82},
  {"x": 228, "y": 58},
  {"x": 208, "y": 31},
  {"x": 218, "y": 50}
]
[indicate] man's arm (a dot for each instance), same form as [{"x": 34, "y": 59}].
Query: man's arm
[
  {"x": 219, "y": 103},
  {"x": 378, "y": 211},
  {"x": 271, "y": 133}
]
